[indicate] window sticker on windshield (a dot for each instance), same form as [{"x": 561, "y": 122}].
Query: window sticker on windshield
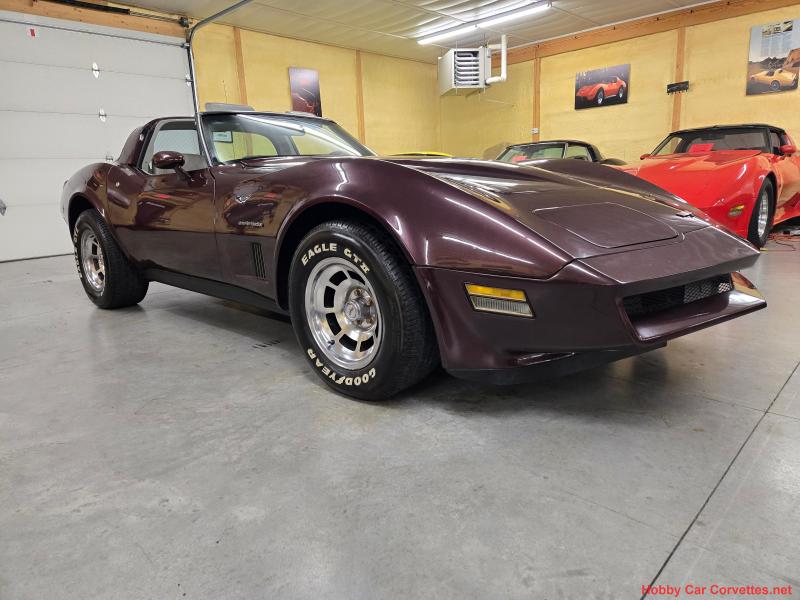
[
  {"x": 701, "y": 147},
  {"x": 223, "y": 136}
]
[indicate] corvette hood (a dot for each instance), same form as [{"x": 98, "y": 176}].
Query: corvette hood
[
  {"x": 603, "y": 212},
  {"x": 691, "y": 176}
]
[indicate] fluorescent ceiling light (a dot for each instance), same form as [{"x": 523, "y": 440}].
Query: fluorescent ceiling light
[{"x": 484, "y": 23}]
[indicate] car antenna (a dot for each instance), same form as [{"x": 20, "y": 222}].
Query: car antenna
[{"x": 193, "y": 79}]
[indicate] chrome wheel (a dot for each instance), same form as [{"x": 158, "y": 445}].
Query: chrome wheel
[
  {"x": 343, "y": 313},
  {"x": 92, "y": 261},
  {"x": 763, "y": 214}
]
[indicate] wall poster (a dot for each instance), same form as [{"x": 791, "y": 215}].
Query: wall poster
[
  {"x": 774, "y": 59},
  {"x": 601, "y": 87},
  {"x": 304, "y": 87}
]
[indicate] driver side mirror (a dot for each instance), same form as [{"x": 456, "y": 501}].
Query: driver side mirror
[
  {"x": 167, "y": 159},
  {"x": 788, "y": 149}
]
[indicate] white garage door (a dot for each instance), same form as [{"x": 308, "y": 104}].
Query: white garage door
[{"x": 56, "y": 80}]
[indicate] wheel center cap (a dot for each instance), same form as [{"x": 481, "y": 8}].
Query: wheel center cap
[{"x": 352, "y": 310}]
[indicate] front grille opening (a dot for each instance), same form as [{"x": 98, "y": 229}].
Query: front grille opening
[{"x": 661, "y": 300}]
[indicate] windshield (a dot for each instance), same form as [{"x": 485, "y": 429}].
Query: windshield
[
  {"x": 233, "y": 137},
  {"x": 708, "y": 140},
  {"x": 515, "y": 154}
]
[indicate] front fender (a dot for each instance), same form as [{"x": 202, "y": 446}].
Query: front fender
[
  {"x": 435, "y": 223},
  {"x": 88, "y": 184}
]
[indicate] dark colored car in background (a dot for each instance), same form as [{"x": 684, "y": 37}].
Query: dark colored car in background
[
  {"x": 745, "y": 177},
  {"x": 389, "y": 267},
  {"x": 576, "y": 149}
]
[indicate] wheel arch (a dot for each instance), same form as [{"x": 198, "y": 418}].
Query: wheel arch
[
  {"x": 308, "y": 218},
  {"x": 77, "y": 204}
]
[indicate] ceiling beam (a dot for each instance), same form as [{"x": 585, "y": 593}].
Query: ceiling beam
[
  {"x": 93, "y": 17},
  {"x": 687, "y": 17}
]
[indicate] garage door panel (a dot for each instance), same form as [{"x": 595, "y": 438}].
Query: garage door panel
[
  {"x": 42, "y": 88},
  {"x": 49, "y": 114},
  {"x": 32, "y": 182},
  {"x": 27, "y": 231},
  {"x": 79, "y": 50},
  {"x": 47, "y": 136}
]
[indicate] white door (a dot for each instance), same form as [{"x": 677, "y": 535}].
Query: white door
[{"x": 70, "y": 94}]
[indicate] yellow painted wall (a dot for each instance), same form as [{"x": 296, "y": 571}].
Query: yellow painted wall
[
  {"x": 400, "y": 104},
  {"x": 477, "y": 124},
  {"x": 215, "y": 63},
  {"x": 715, "y": 64},
  {"x": 624, "y": 130},
  {"x": 401, "y": 112},
  {"x": 716, "y": 67}
]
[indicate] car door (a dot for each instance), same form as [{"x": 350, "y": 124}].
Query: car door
[
  {"x": 165, "y": 218},
  {"x": 787, "y": 172}
]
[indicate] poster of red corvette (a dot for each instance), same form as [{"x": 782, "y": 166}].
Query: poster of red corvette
[
  {"x": 304, "y": 87},
  {"x": 602, "y": 87}
]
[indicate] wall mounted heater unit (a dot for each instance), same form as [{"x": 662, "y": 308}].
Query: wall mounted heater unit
[
  {"x": 471, "y": 68},
  {"x": 464, "y": 68}
]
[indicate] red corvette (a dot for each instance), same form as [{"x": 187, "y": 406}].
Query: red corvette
[
  {"x": 596, "y": 93},
  {"x": 745, "y": 177}
]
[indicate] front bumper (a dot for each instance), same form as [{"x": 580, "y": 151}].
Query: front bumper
[{"x": 579, "y": 316}]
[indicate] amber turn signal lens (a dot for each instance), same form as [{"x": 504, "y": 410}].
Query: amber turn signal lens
[
  {"x": 492, "y": 292},
  {"x": 736, "y": 211},
  {"x": 499, "y": 300}
]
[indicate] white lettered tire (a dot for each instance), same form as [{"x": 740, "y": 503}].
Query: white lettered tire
[{"x": 358, "y": 312}]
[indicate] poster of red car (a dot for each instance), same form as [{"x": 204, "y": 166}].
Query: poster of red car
[
  {"x": 304, "y": 87},
  {"x": 601, "y": 87},
  {"x": 774, "y": 60}
]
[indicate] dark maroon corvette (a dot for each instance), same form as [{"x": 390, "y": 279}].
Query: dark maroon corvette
[{"x": 390, "y": 267}]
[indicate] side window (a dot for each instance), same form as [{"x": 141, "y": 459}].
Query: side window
[
  {"x": 235, "y": 145},
  {"x": 579, "y": 152},
  {"x": 177, "y": 136},
  {"x": 775, "y": 142}
]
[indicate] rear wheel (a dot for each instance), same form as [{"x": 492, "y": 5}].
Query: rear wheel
[
  {"x": 108, "y": 278},
  {"x": 621, "y": 94},
  {"x": 775, "y": 85},
  {"x": 762, "y": 215},
  {"x": 358, "y": 312}
]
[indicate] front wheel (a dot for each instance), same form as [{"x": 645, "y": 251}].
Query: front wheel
[
  {"x": 600, "y": 97},
  {"x": 621, "y": 94},
  {"x": 358, "y": 312},
  {"x": 776, "y": 86},
  {"x": 762, "y": 215},
  {"x": 108, "y": 277}
]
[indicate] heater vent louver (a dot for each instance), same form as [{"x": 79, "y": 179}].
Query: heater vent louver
[{"x": 467, "y": 68}]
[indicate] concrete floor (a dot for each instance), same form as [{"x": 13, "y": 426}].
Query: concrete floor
[{"x": 183, "y": 449}]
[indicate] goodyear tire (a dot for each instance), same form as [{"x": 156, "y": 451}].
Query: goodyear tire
[
  {"x": 108, "y": 278},
  {"x": 358, "y": 313},
  {"x": 763, "y": 214}
]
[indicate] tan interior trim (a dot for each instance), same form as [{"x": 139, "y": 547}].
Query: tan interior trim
[
  {"x": 362, "y": 135},
  {"x": 680, "y": 61},
  {"x": 686, "y": 17},
  {"x": 93, "y": 17},
  {"x": 240, "y": 72}
]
